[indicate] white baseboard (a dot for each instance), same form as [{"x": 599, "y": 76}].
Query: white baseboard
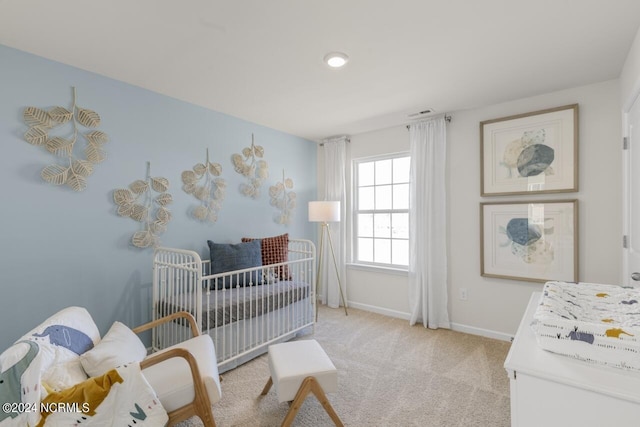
[
  {"x": 380, "y": 310},
  {"x": 454, "y": 326},
  {"x": 481, "y": 332}
]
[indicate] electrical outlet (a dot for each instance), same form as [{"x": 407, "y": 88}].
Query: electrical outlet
[{"x": 463, "y": 294}]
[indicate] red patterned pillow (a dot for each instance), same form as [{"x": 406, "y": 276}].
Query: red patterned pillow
[{"x": 274, "y": 251}]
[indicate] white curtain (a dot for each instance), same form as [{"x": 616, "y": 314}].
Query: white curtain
[
  {"x": 428, "y": 224},
  {"x": 335, "y": 190}
]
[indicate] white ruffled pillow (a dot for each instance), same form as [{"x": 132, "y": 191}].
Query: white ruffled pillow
[{"x": 118, "y": 347}]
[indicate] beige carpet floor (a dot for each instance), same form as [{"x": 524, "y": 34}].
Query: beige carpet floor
[{"x": 390, "y": 374}]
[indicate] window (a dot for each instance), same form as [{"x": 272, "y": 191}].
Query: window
[{"x": 381, "y": 211}]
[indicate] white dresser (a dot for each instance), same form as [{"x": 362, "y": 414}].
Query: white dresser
[{"x": 550, "y": 390}]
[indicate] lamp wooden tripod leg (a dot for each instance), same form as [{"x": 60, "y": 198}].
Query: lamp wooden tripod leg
[{"x": 325, "y": 227}]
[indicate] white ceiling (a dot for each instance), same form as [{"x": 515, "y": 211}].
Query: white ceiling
[{"x": 261, "y": 60}]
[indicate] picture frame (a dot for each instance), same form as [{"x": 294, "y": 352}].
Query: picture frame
[
  {"x": 531, "y": 153},
  {"x": 534, "y": 241}
]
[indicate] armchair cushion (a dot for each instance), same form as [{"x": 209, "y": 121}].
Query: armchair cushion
[
  {"x": 172, "y": 380},
  {"x": 119, "y": 346}
]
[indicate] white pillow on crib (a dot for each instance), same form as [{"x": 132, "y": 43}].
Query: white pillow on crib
[{"x": 118, "y": 347}]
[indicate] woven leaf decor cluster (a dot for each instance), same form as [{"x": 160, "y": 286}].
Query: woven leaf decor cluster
[
  {"x": 138, "y": 203},
  {"x": 283, "y": 199},
  {"x": 203, "y": 181},
  {"x": 255, "y": 171},
  {"x": 58, "y": 130}
]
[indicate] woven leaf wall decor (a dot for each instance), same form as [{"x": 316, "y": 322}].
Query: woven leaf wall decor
[
  {"x": 47, "y": 128},
  {"x": 212, "y": 191},
  {"x": 255, "y": 171},
  {"x": 283, "y": 199},
  {"x": 139, "y": 203}
]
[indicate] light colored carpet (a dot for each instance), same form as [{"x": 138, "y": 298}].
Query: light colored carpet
[{"x": 390, "y": 374}]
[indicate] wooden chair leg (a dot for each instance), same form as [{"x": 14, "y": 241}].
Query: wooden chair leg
[
  {"x": 199, "y": 407},
  {"x": 203, "y": 406},
  {"x": 310, "y": 384},
  {"x": 206, "y": 415},
  {"x": 267, "y": 387}
]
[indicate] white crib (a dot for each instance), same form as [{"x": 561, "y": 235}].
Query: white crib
[{"x": 242, "y": 321}]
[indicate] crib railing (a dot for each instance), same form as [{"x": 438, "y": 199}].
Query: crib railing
[{"x": 275, "y": 302}]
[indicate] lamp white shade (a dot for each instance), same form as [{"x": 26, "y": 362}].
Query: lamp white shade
[{"x": 324, "y": 211}]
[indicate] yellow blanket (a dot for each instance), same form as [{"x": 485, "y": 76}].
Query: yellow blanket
[{"x": 84, "y": 397}]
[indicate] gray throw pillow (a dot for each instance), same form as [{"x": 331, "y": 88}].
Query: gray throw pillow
[{"x": 226, "y": 257}]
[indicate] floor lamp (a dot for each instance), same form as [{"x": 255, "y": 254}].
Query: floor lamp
[{"x": 325, "y": 212}]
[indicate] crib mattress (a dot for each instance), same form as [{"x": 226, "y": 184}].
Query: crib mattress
[
  {"x": 221, "y": 307},
  {"x": 593, "y": 322}
]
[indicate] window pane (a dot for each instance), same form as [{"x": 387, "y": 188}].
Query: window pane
[
  {"x": 400, "y": 252},
  {"x": 365, "y": 225},
  {"x": 365, "y": 198},
  {"x": 365, "y": 174},
  {"x": 381, "y": 230},
  {"x": 401, "y": 167},
  {"x": 382, "y": 225},
  {"x": 365, "y": 250},
  {"x": 400, "y": 225},
  {"x": 382, "y": 251},
  {"x": 383, "y": 197},
  {"x": 401, "y": 196},
  {"x": 383, "y": 172}
]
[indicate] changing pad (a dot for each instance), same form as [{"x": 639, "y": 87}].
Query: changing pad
[{"x": 592, "y": 322}]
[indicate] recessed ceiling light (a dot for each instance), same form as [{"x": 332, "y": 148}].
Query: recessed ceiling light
[{"x": 336, "y": 59}]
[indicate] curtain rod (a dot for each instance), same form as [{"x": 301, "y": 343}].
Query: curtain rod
[
  {"x": 446, "y": 119},
  {"x": 346, "y": 139}
]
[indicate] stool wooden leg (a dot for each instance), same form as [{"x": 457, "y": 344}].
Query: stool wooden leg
[
  {"x": 322, "y": 398},
  {"x": 310, "y": 385},
  {"x": 304, "y": 389},
  {"x": 267, "y": 386}
]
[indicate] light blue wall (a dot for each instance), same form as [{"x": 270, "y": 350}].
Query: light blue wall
[{"x": 61, "y": 248}]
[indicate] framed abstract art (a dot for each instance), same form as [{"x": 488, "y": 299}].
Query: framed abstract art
[
  {"x": 534, "y": 241},
  {"x": 530, "y": 153}
]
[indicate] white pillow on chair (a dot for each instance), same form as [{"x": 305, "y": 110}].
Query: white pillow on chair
[{"x": 118, "y": 347}]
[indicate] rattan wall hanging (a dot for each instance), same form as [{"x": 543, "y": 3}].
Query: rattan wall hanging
[
  {"x": 283, "y": 199},
  {"x": 210, "y": 193},
  {"x": 138, "y": 202},
  {"x": 74, "y": 170},
  {"x": 255, "y": 171}
]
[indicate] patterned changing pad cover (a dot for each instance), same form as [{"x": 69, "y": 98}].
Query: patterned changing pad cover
[{"x": 593, "y": 322}]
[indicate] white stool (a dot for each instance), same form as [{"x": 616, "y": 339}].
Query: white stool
[{"x": 300, "y": 367}]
